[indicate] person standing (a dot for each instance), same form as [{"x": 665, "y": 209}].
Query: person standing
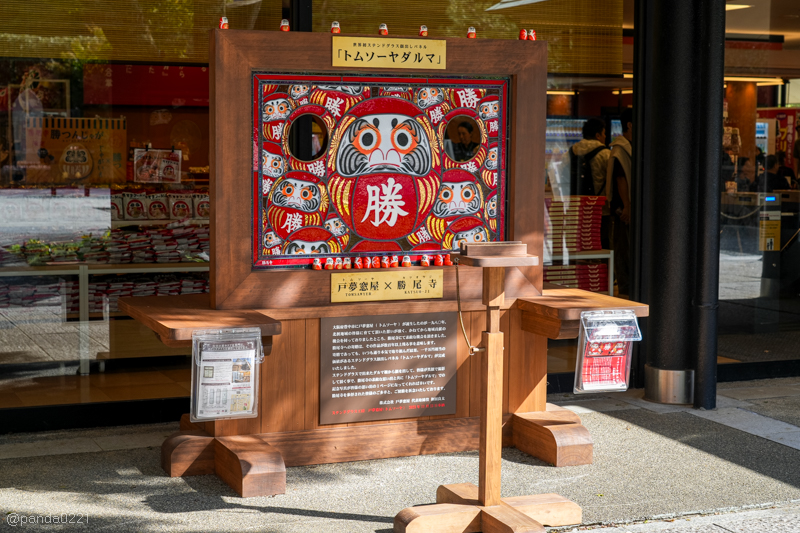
[
  {"x": 620, "y": 165},
  {"x": 786, "y": 171},
  {"x": 772, "y": 180},
  {"x": 590, "y": 156}
]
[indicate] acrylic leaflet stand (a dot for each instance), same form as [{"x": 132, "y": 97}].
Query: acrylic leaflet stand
[{"x": 464, "y": 507}]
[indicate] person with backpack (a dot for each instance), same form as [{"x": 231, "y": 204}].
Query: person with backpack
[
  {"x": 620, "y": 171},
  {"x": 588, "y": 163}
]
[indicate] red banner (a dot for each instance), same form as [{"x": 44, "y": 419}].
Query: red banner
[
  {"x": 785, "y": 122},
  {"x": 151, "y": 85}
]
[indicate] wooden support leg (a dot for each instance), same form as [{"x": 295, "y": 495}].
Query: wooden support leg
[
  {"x": 188, "y": 453},
  {"x": 440, "y": 518},
  {"x": 250, "y": 465},
  {"x": 505, "y": 519},
  {"x": 555, "y": 436}
]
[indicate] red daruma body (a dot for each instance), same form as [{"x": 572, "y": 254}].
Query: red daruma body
[{"x": 385, "y": 162}]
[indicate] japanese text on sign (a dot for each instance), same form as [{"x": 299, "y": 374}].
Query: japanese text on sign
[
  {"x": 371, "y": 286},
  {"x": 372, "y": 52},
  {"x": 387, "y": 366}
]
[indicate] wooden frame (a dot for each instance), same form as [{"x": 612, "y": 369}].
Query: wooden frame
[{"x": 234, "y": 55}]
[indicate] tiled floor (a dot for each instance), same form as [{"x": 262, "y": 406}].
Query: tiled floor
[{"x": 60, "y": 390}]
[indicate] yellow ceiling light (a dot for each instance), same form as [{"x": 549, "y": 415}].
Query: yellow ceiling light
[
  {"x": 560, "y": 93},
  {"x": 624, "y": 91},
  {"x": 627, "y": 76},
  {"x": 758, "y": 81},
  {"x": 734, "y": 7}
]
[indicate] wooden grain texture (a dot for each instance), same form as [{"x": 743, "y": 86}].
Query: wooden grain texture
[
  {"x": 499, "y": 262},
  {"x": 505, "y": 324},
  {"x": 506, "y": 248},
  {"x": 553, "y": 436},
  {"x": 311, "y": 385},
  {"x": 250, "y": 465},
  {"x": 460, "y": 493},
  {"x": 234, "y": 54},
  {"x": 491, "y": 438},
  {"x": 174, "y": 318},
  {"x": 550, "y": 510},
  {"x": 549, "y": 327},
  {"x": 440, "y": 518},
  {"x": 188, "y": 453},
  {"x": 505, "y": 519},
  {"x": 527, "y": 367},
  {"x": 283, "y": 381},
  {"x": 493, "y": 287},
  {"x": 186, "y": 424},
  {"x": 464, "y": 376},
  {"x": 401, "y": 438},
  {"x": 477, "y": 326},
  {"x": 568, "y": 304}
]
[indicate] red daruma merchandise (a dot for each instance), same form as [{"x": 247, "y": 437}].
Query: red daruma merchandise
[
  {"x": 157, "y": 208},
  {"x": 605, "y": 340},
  {"x": 202, "y": 206},
  {"x": 180, "y": 205},
  {"x": 135, "y": 208},
  {"x": 117, "y": 202}
]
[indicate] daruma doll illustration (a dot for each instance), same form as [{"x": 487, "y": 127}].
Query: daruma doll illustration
[
  {"x": 385, "y": 162},
  {"x": 297, "y": 200}
]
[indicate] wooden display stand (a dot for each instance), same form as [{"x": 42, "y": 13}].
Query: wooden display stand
[{"x": 251, "y": 454}]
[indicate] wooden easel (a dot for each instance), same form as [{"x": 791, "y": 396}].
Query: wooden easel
[{"x": 463, "y": 507}]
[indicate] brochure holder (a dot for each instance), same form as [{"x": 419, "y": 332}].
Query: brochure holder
[
  {"x": 605, "y": 340},
  {"x": 225, "y": 373}
]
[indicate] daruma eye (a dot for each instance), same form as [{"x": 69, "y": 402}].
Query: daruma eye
[
  {"x": 495, "y": 107},
  {"x": 434, "y": 92},
  {"x": 446, "y": 195},
  {"x": 287, "y": 190},
  {"x": 276, "y": 163},
  {"x": 424, "y": 93},
  {"x": 467, "y": 194},
  {"x": 492, "y": 155},
  {"x": 403, "y": 139},
  {"x": 306, "y": 193},
  {"x": 478, "y": 237},
  {"x": 270, "y": 110},
  {"x": 367, "y": 139},
  {"x": 282, "y": 108}
]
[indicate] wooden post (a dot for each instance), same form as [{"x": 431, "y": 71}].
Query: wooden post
[{"x": 491, "y": 436}]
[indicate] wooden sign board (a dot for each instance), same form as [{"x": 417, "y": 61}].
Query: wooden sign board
[
  {"x": 377, "y": 286},
  {"x": 386, "y": 367},
  {"x": 381, "y": 52}
]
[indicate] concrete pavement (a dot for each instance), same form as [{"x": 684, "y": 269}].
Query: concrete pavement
[{"x": 736, "y": 467}]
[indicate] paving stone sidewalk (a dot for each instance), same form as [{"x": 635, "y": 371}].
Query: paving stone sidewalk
[{"x": 651, "y": 463}]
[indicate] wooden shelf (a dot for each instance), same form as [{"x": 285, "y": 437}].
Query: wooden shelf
[
  {"x": 174, "y": 318},
  {"x": 124, "y": 223},
  {"x": 557, "y": 312}
]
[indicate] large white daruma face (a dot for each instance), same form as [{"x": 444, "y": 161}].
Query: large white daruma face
[{"x": 384, "y": 143}]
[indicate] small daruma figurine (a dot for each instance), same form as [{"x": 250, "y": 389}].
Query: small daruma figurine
[
  {"x": 284, "y": 25},
  {"x": 463, "y": 231},
  {"x": 223, "y": 23},
  {"x": 335, "y": 27},
  {"x": 523, "y": 35},
  {"x": 532, "y": 35},
  {"x": 383, "y": 29},
  {"x": 471, "y": 33},
  {"x": 423, "y": 31}
]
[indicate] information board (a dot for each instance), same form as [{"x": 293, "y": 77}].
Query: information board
[
  {"x": 225, "y": 373},
  {"x": 386, "y": 367}
]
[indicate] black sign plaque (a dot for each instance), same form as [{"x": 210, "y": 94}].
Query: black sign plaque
[{"x": 383, "y": 367}]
